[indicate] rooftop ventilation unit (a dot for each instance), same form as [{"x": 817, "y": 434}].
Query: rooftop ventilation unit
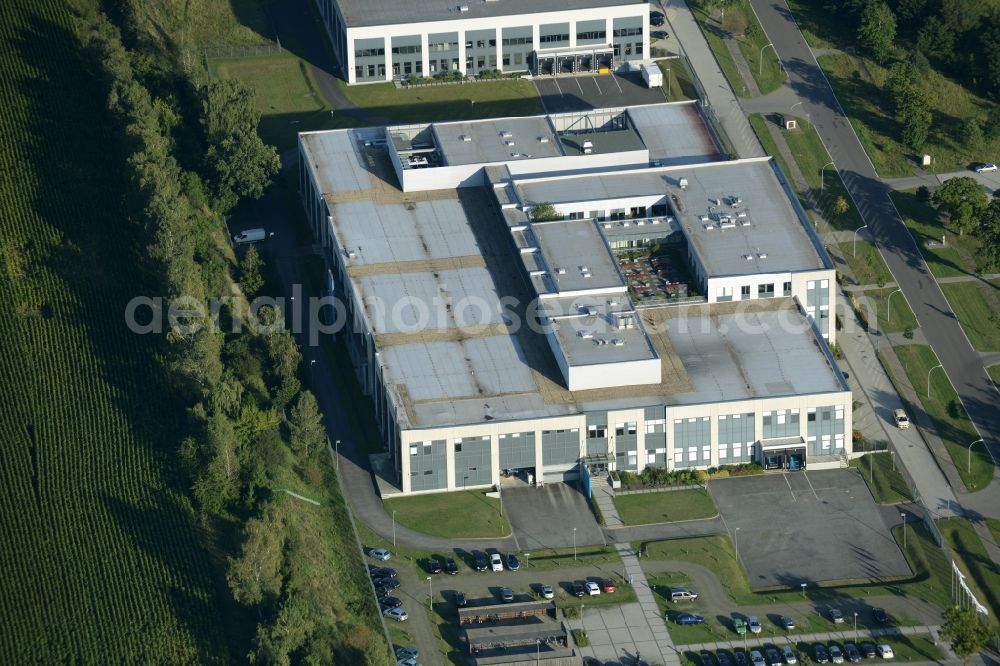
[
  {"x": 463, "y": 8},
  {"x": 744, "y": 222},
  {"x": 586, "y": 335},
  {"x": 506, "y": 134},
  {"x": 561, "y": 271},
  {"x": 618, "y": 342},
  {"x": 707, "y": 227},
  {"x": 683, "y": 183},
  {"x": 586, "y": 274},
  {"x": 543, "y": 139},
  {"x": 588, "y": 151},
  {"x": 718, "y": 202},
  {"x": 747, "y": 257},
  {"x": 655, "y": 221},
  {"x": 607, "y": 225},
  {"x": 466, "y": 138},
  {"x": 742, "y": 214},
  {"x": 762, "y": 255}
]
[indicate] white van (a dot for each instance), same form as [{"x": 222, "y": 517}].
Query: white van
[
  {"x": 902, "y": 421},
  {"x": 249, "y": 236}
]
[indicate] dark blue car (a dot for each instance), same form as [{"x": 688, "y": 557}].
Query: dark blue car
[{"x": 689, "y": 618}]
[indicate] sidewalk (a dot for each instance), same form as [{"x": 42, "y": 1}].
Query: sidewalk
[{"x": 792, "y": 639}]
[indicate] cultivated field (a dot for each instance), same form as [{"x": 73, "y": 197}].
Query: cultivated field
[{"x": 100, "y": 556}]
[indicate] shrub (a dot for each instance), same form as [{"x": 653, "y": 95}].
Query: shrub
[
  {"x": 908, "y": 332},
  {"x": 580, "y": 638}
]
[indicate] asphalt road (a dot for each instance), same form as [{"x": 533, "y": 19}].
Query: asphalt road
[{"x": 939, "y": 324}]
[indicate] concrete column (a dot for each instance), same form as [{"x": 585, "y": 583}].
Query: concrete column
[
  {"x": 539, "y": 461},
  {"x": 404, "y": 465},
  {"x": 449, "y": 457},
  {"x": 713, "y": 435},
  {"x": 494, "y": 459},
  {"x": 424, "y": 58}
]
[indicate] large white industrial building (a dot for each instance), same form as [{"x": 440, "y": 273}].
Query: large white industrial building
[
  {"x": 675, "y": 313},
  {"x": 382, "y": 40}
]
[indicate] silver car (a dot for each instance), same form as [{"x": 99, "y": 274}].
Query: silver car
[{"x": 547, "y": 592}]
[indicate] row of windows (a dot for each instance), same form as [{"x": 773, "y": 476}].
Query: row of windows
[
  {"x": 592, "y": 34},
  {"x": 482, "y": 43},
  {"x": 553, "y": 39},
  {"x": 368, "y": 53},
  {"x": 402, "y": 50},
  {"x": 627, "y": 32},
  {"x": 516, "y": 41},
  {"x": 443, "y": 46}
]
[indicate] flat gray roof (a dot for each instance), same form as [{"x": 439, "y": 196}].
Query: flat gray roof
[
  {"x": 675, "y": 133},
  {"x": 485, "y": 141},
  {"x": 593, "y": 339},
  {"x": 577, "y": 256},
  {"x": 393, "y": 12},
  {"x": 754, "y": 354}
]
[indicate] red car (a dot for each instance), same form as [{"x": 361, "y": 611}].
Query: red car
[{"x": 608, "y": 585}]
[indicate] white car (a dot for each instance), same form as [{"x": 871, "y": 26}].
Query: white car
[
  {"x": 988, "y": 167},
  {"x": 547, "y": 592},
  {"x": 593, "y": 589},
  {"x": 753, "y": 624},
  {"x": 380, "y": 554},
  {"x": 885, "y": 651},
  {"x": 397, "y": 614},
  {"x": 496, "y": 562}
]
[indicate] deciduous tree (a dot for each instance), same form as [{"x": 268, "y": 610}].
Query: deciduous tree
[
  {"x": 305, "y": 425},
  {"x": 963, "y": 199},
  {"x": 877, "y": 29},
  {"x": 966, "y": 633}
]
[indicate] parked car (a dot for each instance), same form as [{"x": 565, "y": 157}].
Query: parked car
[
  {"x": 680, "y": 594},
  {"x": 407, "y": 662},
  {"x": 397, "y": 614},
  {"x": 985, "y": 167},
  {"x": 512, "y": 563},
  {"x": 753, "y": 624},
  {"x": 450, "y": 566},
  {"x": 756, "y": 658},
  {"x": 852, "y": 653},
  {"x": 901, "y": 419},
  {"x": 389, "y": 602},
  {"x": 706, "y": 659},
  {"x": 407, "y": 653},
  {"x": 384, "y": 590},
  {"x": 885, "y": 651},
  {"x": 593, "y": 589},
  {"x": 388, "y": 583},
  {"x": 506, "y": 594},
  {"x": 480, "y": 561},
  {"x": 434, "y": 566},
  {"x": 659, "y": 34},
  {"x": 608, "y": 586},
  {"x": 787, "y": 622},
  {"x": 741, "y": 658},
  {"x": 880, "y": 615},
  {"x": 836, "y": 656},
  {"x": 820, "y": 655},
  {"x": 547, "y": 592},
  {"x": 723, "y": 658},
  {"x": 689, "y": 618},
  {"x": 788, "y": 655},
  {"x": 656, "y": 19},
  {"x": 836, "y": 615},
  {"x": 380, "y": 554},
  {"x": 460, "y": 600},
  {"x": 496, "y": 562},
  {"x": 381, "y": 572},
  {"x": 739, "y": 626},
  {"x": 578, "y": 588},
  {"x": 868, "y": 650},
  {"x": 772, "y": 656}
]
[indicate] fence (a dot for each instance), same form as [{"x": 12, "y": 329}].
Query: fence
[{"x": 249, "y": 51}]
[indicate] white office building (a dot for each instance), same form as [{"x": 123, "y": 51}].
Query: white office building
[
  {"x": 382, "y": 40},
  {"x": 671, "y": 311}
]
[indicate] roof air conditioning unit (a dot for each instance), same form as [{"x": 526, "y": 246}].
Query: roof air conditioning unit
[
  {"x": 463, "y": 8},
  {"x": 466, "y": 138},
  {"x": 509, "y": 143},
  {"x": 586, "y": 335},
  {"x": 618, "y": 342},
  {"x": 762, "y": 255},
  {"x": 561, "y": 271},
  {"x": 591, "y": 311},
  {"x": 588, "y": 151},
  {"x": 505, "y": 134},
  {"x": 543, "y": 139},
  {"x": 683, "y": 183},
  {"x": 747, "y": 257}
]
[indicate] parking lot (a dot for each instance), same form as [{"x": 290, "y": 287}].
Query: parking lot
[
  {"x": 546, "y": 517},
  {"x": 580, "y": 93},
  {"x": 806, "y": 527}
]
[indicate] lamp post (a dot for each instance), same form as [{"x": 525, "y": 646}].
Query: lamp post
[
  {"x": 903, "y": 514},
  {"x": 854, "y": 245},
  {"x": 803, "y": 586},
  {"x": 336, "y": 445},
  {"x": 574, "y": 544},
  {"x": 736, "y": 538},
  {"x": 969, "y": 464},
  {"x": 791, "y": 110},
  {"x": 888, "y": 302},
  {"x": 394, "y": 529},
  {"x": 855, "y": 624},
  {"x": 929, "y": 377},
  {"x": 821, "y": 182},
  {"x": 430, "y": 593},
  {"x": 538, "y": 650},
  {"x": 527, "y": 560},
  {"x": 760, "y": 69}
]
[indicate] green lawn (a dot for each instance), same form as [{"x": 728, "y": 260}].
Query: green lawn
[
  {"x": 859, "y": 84},
  {"x": 553, "y": 559},
  {"x": 623, "y": 594},
  {"x": 977, "y": 305},
  {"x": 956, "y": 258},
  {"x": 930, "y": 582},
  {"x": 982, "y": 576},
  {"x": 994, "y": 526},
  {"x": 900, "y": 316},
  {"x": 468, "y": 514},
  {"x": 954, "y": 429},
  {"x": 465, "y": 101},
  {"x": 867, "y": 265},
  {"x": 677, "y": 83},
  {"x": 666, "y": 507},
  {"x": 886, "y": 484},
  {"x": 994, "y": 372}
]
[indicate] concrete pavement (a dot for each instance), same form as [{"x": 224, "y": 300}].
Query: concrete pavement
[
  {"x": 824, "y": 637},
  {"x": 961, "y": 363}
]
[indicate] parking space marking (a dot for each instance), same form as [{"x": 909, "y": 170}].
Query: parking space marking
[
  {"x": 810, "y": 484},
  {"x": 558, "y": 87},
  {"x": 785, "y": 477},
  {"x": 596, "y": 85},
  {"x": 615, "y": 79},
  {"x": 580, "y": 86}
]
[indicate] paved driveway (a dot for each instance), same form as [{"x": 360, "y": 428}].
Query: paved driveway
[
  {"x": 580, "y": 93},
  {"x": 807, "y": 527},
  {"x": 546, "y": 517}
]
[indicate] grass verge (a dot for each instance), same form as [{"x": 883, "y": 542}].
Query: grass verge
[
  {"x": 900, "y": 316},
  {"x": 458, "y": 101},
  {"x": 867, "y": 265},
  {"x": 956, "y": 257},
  {"x": 458, "y": 515},
  {"x": 886, "y": 484},
  {"x": 977, "y": 305},
  {"x": 667, "y": 507},
  {"x": 946, "y": 414},
  {"x": 994, "y": 373},
  {"x": 678, "y": 84},
  {"x": 981, "y": 575}
]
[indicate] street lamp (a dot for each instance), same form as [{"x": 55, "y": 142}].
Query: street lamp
[
  {"x": 929, "y": 377},
  {"x": 969, "y": 464},
  {"x": 855, "y": 624},
  {"x": 903, "y": 514},
  {"x": 736, "y": 535},
  {"x": 803, "y": 586},
  {"x": 760, "y": 69},
  {"x": 791, "y": 110},
  {"x": 527, "y": 560},
  {"x": 854, "y": 245},
  {"x": 430, "y": 593},
  {"x": 394, "y": 529},
  {"x": 821, "y": 181},
  {"x": 574, "y": 544},
  {"x": 337, "y": 450},
  {"x": 888, "y": 302},
  {"x": 538, "y": 650}
]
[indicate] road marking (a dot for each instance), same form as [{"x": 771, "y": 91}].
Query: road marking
[
  {"x": 810, "y": 484},
  {"x": 785, "y": 477},
  {"x": 580, "y": 86},
  {"x": 558, "y": 87},
  {"x": 614, "y": 77},
  {"x": 594, "y": 79}
]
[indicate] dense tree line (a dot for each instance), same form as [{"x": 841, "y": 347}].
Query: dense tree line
[
  {"x": 972, "y": 211},
  {"x": 251, "y": 427}
]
